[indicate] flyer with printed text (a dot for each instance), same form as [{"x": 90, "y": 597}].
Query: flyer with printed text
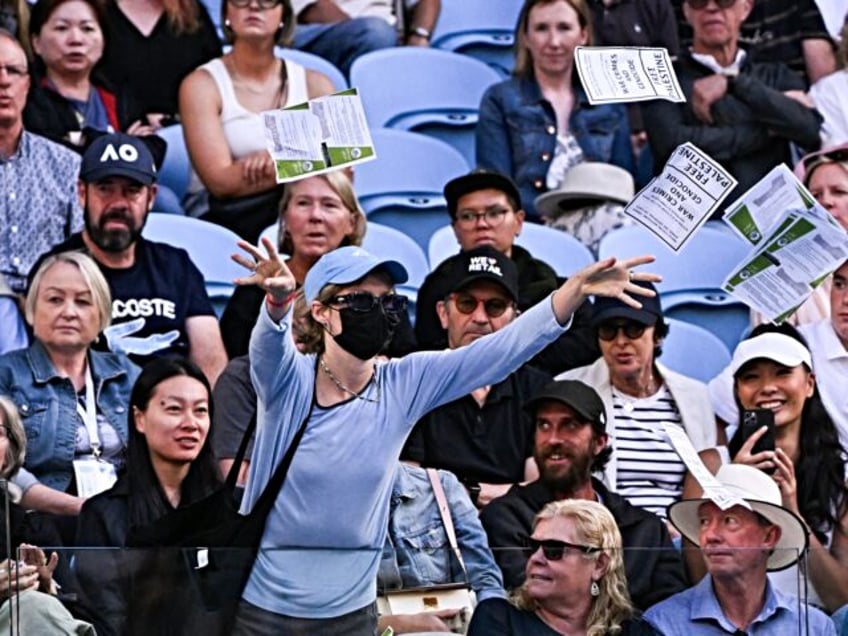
[{"x": 626, "y": 74}]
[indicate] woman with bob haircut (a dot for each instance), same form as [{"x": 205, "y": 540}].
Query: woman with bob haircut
[{"x": 575, "y": 580}]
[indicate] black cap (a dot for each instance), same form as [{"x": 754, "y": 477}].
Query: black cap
[
  {"x": 650, "y": 314},
  {"x": 479, "y": 180},
  {"x": 582, "y": 398},
  {"x": 118, "y": 155},
  {"x": 483, "y": 263}
]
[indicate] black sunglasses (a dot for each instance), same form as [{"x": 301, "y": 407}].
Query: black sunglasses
[
  {"x": 263, "y": 4},
  {"x": 700, "y": 4},
  {"x": 363, "y": 301},
  {"x": 632, "y": 330},
  {"x": 467, "y": 304},
  {"x": 839, "y": 155},
  {"x": 553, "y": 549}
]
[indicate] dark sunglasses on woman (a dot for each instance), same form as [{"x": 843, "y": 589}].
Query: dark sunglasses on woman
[
  {"x": 363, "y": 301},
  {"x": 554, "y": 549}
]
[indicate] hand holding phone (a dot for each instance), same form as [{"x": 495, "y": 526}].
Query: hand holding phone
[{"x": 752, "y": 421}]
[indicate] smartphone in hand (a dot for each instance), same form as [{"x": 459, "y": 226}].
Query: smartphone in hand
[{"x": 752, "y": 421}]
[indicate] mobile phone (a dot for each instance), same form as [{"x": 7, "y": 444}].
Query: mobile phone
[{"x": 752, "y": 421}]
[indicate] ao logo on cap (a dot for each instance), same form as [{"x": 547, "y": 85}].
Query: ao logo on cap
[{"x": 125, "y": 152}]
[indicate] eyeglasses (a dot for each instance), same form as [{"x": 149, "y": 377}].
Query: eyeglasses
[
  {"x": 467, "y": 304},
  {"x": 492, "y": 216},
  {"x": 363, "y": 301},
  {"x": 702, "y": 4},
  {"x": 632, "y": 330},
  {"x": 553, "y": 549},
  {"x": 838, "y": 155},
  {"x": 14, "y": 71},
  {"x": 263, "y": 4}
]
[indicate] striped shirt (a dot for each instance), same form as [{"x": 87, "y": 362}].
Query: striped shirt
[{"x": 649, "y": 471}]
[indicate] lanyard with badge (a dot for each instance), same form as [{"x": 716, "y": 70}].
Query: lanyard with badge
[{"x": 93, "y": 474}]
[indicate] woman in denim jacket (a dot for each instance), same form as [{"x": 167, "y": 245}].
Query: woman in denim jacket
[
  {"x": 50, "y": 382},
  {"x": 538, "y": 124}
]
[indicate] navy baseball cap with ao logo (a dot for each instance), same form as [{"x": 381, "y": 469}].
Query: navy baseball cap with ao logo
[{"x": 118, "y": 155}]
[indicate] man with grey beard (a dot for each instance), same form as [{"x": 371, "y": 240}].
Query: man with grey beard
[{"x": 570, "y": 444}]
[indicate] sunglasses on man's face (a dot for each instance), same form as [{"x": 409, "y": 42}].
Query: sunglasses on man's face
[
  {"x": 467, "y": 304},
  {"x": 609, "y": 331},
  {"x": 702, "y": 4},
  {"x": 554, "y": 550},
  {"x": 363, "y": 301}
]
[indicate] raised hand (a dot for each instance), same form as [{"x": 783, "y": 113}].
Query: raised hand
[
  {"x": 268, "y": 270},
  {"x": 615, "y": 279}
]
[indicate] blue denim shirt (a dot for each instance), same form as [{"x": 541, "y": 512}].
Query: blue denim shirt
[
  {"x": 517, "y": 131},
  {"x": 48, "y": 406},
  {"x": 418, "y": 552}
]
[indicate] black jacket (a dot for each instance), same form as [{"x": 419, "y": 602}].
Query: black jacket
[{"x": 654, "y": 568}]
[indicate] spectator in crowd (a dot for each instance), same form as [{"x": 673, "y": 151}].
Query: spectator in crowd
[
  {"x": 39, "y": 207},
  {"x": 418, "y": 550},
  {"x": 317, "y": 214},
  {"x": 570, "y": 444},
  {"x": 73, "y": 400},
  {"x": 67, "y": 102},
  {"x": 537, "y": 125},
  {"x": 151, "y": 46},
  {"x": 575, "y": 579},
  {"x": 642, "y": 396},
  {"x": 485, "y": 209},
  {"x": 773, "y": 369},
  {"x": 159, "y": 302},
  {"x": 14, "y": 334},
  {"x": 220, "y": 104},
  {"x": 741, "y": 112},
  {"x": 485, "y": 438},
  {"x": 14, "y": 18},
  {"x": 352, "y": 315},
  {"x": 342, "y": 30},
  {"x": 169, "y": 465},
  {"x": 739, "y": 546},
  {"x": 827, "y": 95}
]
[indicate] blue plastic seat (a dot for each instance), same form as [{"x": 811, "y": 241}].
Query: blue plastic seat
[
  {"x": 176, "y": 168},
  {"x": 693, "y": 351},
  {"x": 402, "y": 187},
  {"x": 425, "y": 90},
  {"x": 167, "y": 202},
  {"x": 314, "y": 63},
  {"x": 482, "y": 29}
]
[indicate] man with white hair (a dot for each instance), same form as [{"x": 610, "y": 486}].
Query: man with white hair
[{"x": 740, "y": 545}]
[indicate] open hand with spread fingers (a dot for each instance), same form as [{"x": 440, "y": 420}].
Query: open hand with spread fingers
[
  {"x": 616, "y": 279},
  {"x": 267, "y": 270}
]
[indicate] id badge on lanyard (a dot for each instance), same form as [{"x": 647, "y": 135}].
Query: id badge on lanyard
[{"x": 93, "y": 474}]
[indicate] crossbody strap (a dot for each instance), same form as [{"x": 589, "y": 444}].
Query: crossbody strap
[{"x": 444, "y": 512}]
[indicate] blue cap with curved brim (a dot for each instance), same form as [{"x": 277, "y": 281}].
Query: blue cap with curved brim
[{"x": 347, "y": 265}]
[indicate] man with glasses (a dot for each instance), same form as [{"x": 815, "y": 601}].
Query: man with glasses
[
  {"x": 570, "y": 443},
  {"x": 484, "y": 438},
  {"x": 38, "y": 201},
  {"x": 485, "y": 210},
  {"x": 742, "y": 112}
]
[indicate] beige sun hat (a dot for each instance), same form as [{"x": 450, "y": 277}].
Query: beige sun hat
[
  {"x": 763, "y": 495},
  {"x": 587, "y": 183}
]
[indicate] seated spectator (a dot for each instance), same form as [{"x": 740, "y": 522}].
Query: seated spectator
[
  {"x": 14, "y": 17},
  {"x": 773, "y": 369},
  {"x": 570, "y": 444},
  {"x": 159, "y": 302},
  {"x": 14, "y": 333},
  {"x": 73, "y": 400},
  {"x": 485, "y": 210},
  {"x": 484, "y": 438},
  {"x": 39, "y": 206},
  {"x": 418, "y": 550},
  {"x": 169, "y": 464},
  {"x": 575, "y": 580},
  {"x": 342, "y": 30},
  {"x": 740, "y": 545},
  {"x": 642, "y": 396},
  {"x": 220, "y": 104},
  {"x": 742, "y": 112},
  {"x": 67, "y": 102},
  {"x": 589, "y": 203},
  {"x": 151, "y": 46},
  {"x": 827, "y": 95},
  {"x": 317, "y": 214},
  {"x": 537, "y": 125}
]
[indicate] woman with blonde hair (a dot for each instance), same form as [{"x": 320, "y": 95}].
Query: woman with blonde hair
[{"x": 575, "y": 580}]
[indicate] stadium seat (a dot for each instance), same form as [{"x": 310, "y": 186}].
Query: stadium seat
[
  {"x": 167, "y": 202},
  {"x": 482, "y": 29},
  {"x": 693, "y": 351},
  {"x": 424, "y": 90},
  {"x": 403, "y": 186},
  {"x": 314, "y": 63},
  {"x": 176, "y": 168}
]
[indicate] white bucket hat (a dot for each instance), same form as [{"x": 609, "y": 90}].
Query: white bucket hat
[
  {"x": 587, "y": 183},
  {"x": 763, "y": 495}
]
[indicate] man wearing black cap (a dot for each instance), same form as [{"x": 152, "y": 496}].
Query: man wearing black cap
[
  {"x": 485, "y": 438},
  {"x": 485, "y": 210},
  {"x": 570, "y": 443},
  {"x": 159, "y": 301}
]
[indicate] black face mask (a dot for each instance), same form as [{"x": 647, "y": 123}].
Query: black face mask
[{"x": 366, "y": 333}]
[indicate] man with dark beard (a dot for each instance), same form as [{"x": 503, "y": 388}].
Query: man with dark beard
[
  {"x": 159, "y": 302},
  {"x": 571, "y": 443}
]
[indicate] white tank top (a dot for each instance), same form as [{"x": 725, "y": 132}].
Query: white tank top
[{"x": 243, "y": 128}]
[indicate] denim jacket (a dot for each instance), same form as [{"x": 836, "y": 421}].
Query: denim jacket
[
  {"x": 517, "y": 131},
  {"x": 48, "y": 406},
  {"x": 417, "y": 551}
]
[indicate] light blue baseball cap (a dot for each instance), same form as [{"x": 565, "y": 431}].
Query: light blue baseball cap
[{"x": 346, "y": 265}]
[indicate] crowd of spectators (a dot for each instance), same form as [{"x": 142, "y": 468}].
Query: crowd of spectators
[{"x": 510, "y": 437}]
